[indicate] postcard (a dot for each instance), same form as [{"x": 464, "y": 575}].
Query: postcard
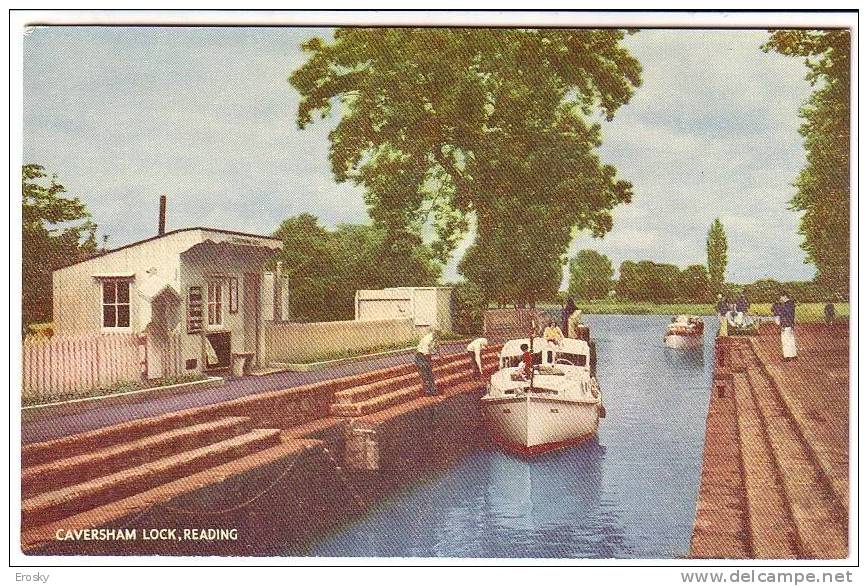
[{"x": 435, "y": 288}]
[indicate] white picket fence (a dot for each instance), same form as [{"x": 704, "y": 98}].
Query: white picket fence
[{"x": 64, "y": 365}]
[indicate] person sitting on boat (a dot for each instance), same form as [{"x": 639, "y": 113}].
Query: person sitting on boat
[
  {"x": 526, "y": 365},
  {"x": 735, "y": 318},
  {"x": 553, "y": 334}
]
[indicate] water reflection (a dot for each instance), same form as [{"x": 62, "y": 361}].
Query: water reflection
[
  {"x": 691, "y": 359},
  {"x": 631, "y": 492},
  {"x": 550, "y": 505}
]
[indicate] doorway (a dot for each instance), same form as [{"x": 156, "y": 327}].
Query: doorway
[{"x": 163, "y": 347}]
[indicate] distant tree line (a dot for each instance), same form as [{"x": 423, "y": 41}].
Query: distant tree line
[
  {"x": 662, "y": 283},
  {"x": 592, "y": 279},
  {"x": 769, "y": 290}
]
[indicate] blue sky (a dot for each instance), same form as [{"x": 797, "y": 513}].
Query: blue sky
[{"x": 206, "y": 116}]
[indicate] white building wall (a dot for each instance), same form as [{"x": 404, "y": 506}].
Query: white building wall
[
  {"x": 274, "y": 297},
  {"x": 428, "y": 306},
  {"x": 77, "y": 294}
]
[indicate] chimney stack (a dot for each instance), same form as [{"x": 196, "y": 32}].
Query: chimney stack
[{"x": 161, "y": 225}]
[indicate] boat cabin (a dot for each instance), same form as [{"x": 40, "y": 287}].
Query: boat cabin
[{"x": 570, "y": 352}]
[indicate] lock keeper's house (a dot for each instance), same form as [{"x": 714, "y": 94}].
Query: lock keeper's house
[{"x": 195, "y": 293}]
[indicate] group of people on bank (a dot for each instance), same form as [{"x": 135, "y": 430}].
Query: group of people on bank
[{"x": 737, "y": 315}]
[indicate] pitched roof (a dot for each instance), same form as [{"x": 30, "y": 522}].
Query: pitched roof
[{"x": 169, "y": 233}]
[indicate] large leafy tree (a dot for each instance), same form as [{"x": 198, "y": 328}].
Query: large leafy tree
[
  {"x": 326, "y": 267},
  {"x": 715, "y": 249},
  {"x": 441, "y": 125},
  {"x": 590, "y": 275},
  {"x": 56, "y": 231},
  {"x": 823, "y": 186}
]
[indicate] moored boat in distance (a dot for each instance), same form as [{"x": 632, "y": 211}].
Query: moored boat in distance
[
  {"x": 685, "y": 331},
  {"x": 559, "y": 404}
]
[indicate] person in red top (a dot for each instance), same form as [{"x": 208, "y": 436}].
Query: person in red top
[{"x": 527, "y": 359}]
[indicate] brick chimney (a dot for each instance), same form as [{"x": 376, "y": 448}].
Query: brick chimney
[{"x": 161, "y": 223}]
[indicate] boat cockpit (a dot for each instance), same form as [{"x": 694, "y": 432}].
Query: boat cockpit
[
  {"x": 561, "y": 370},
  {"x": 569, "y": 352}
]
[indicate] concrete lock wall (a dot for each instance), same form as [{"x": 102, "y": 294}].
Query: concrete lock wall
[{"x": 306, "y": 342}]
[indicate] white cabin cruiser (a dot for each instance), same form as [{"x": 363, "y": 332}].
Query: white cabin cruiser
[
  {"x": 685, "y": 331},
  {"x": 558, "y": 403}
]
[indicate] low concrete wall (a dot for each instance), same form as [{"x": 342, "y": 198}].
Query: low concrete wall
[
  {"x": 272, "y": 510},
  {"x": 308, "y": 342},
  {"x": 328, "y": 475}
]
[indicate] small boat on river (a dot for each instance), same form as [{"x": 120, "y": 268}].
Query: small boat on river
[
  {"x": 555, "y": 403},
  {"x": 685, "y": 331}
]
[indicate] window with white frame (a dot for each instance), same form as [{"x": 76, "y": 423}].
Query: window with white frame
[
  {"x": 115, "y": 304},
  {"x": 215, "y": 303}
]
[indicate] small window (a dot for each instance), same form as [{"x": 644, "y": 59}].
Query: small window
[
  {"x": 115, "y": 304},
  {"x": 215, "y": 303}
]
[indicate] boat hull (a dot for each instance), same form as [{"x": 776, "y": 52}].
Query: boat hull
[
  {"x": 540, "y": 424},
  {"x": 679, "y": 342}
]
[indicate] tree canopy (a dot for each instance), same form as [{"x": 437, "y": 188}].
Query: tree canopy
[
  {"x": 694, "y": 284},
  {"x": 441, "y": 125},
  {"x": 661, "y": 282},
  {"x": 56, "y": 230},
  {"x": 823, "y": 186},
  {"x": 590, "y": 275},
  {"x": 326, "y": 267},
  {"x": 715, "y": 248}
]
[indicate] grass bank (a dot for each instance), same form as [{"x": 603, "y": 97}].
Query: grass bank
[
  {"x": 115, "y": 389},
  {"x": 805, "y": 312}
]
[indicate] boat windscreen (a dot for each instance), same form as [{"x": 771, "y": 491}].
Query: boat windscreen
[
  {"x": 573, "y": 359},
  {"x": 513, "y": 361}
]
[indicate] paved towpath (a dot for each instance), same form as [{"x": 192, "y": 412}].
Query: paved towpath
[
  {"x": 46, "y": 429},
  {"x": 775, "y": 472},
  {"x": 816, "y": 390}
]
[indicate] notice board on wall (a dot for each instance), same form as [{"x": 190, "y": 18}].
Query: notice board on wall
[{"x": 194, "y": 309}]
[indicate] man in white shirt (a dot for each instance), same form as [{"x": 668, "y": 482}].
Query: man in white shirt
[
  {"x": 423, "y": 362},
  {"x": 474, "y": 354}
]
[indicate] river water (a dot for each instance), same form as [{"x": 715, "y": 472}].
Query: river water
[{"x": 629, "y": 493}]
